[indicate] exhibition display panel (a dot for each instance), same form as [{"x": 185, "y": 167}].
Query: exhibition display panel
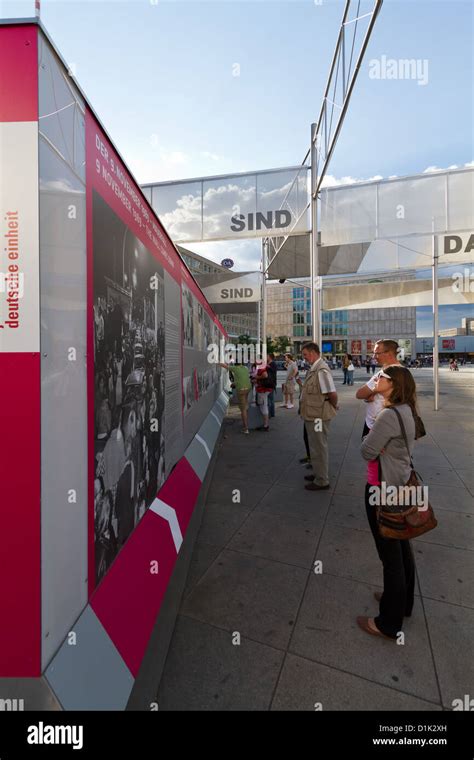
[{"x": 111, "y": 405}]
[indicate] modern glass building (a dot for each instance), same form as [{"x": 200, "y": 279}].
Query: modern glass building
[{"x": 352, "y": 331}]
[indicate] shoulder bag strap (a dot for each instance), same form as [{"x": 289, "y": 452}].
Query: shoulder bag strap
[{"x": 402, "y": 426}]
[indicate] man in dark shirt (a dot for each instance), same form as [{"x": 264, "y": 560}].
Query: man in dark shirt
[{"x": 272, "y": 374}]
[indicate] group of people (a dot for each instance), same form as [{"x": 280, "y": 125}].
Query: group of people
[
  {"x": 259, "y": 383},
  {"x": 386, "y": 448}
]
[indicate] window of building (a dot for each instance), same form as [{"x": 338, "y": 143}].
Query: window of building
[{"x": 298, "y": 292}]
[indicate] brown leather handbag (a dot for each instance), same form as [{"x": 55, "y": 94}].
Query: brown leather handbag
[{"x": 411, "y": 522}]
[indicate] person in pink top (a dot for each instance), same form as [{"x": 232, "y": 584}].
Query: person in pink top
[{"x": 263, "y": 392}]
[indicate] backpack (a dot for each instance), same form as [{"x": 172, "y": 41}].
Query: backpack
[{"x": 269, "y": 381}]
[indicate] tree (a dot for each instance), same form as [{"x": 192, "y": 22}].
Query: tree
[
  {"x": 271, "y": 347},
  {"x": 281, "y": 344},
  {"x": 245, "y": 339}
]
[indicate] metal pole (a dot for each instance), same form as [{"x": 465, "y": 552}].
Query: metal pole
[
  {"x": 264, "y": 295},
  {"x": 314, "y": 238},
  {"x": 258, "y": 326},
  {"x": 434, "y": 244}
]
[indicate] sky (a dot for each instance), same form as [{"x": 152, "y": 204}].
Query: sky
[
  {"x": 449, "y": 316},
  {"x": 192, "y": 88}
]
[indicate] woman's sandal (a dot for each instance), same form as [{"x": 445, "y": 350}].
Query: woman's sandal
[{"x": 367, "y": 624}]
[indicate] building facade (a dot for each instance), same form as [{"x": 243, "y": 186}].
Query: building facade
[
  {"x": 467, "y": 328},
  {"x": 352, "y": 331},
  {"x": 235, "y": 324}
]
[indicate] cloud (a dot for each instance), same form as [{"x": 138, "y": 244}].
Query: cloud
[
  {"x": 180, "y": 208},
  {"x": 331, "y": 181},
  {"x": 449, "y": 168},
  {"x": 174, "y": 157},
  {"x": 158, "y": 164},
  {"x": 211, "y": 156}
]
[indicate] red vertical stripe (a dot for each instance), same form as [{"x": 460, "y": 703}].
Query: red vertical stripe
[
  {"x": 20, "y": 516},
  {"x": 19, "y": 73}
]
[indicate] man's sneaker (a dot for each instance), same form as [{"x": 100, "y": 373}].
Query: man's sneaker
[
  {"x": 305, "y": 460},
  {"x": 290, "y": 406},
  {"x": 246, "y": 432}
]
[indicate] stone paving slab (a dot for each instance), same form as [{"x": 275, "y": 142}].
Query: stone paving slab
[
  {"x": 220, "y": 522},
  {"x": 255, "y": 596},
  {"x": 452, "y": 499},
  {"x": 296, "y": 502},
  {"x": 282, "y": 538},
  {"x": 454, "y": 529},
  {"x": 238, "y": 677},
  {"x": 447, "y": 624},
  {"x": 203, "y": 557},
  {"x": 445, "y": 573},
  {"x": 307, "y": 685},
  {"x": 326, "y": 631}
]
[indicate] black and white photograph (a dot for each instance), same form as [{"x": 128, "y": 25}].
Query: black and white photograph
[
  {"x": 187, "y": 300},
  {"x": 188, "y": 394},
  {"x": 129, "y": 381}
]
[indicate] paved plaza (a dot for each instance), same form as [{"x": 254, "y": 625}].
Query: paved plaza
[{"x": 258, "y": 629}]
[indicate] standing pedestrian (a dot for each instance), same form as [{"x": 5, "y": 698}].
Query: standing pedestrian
[
  {"x": 385, "y": 353},
  {"x": 345, "y": 365},
  {"x": 253, "y": 380},
  {"x": 263, "y": 386},
  {"x": 243, "y": 387},
  {"x": 385, "y": 442},
  {"x": 350, "y": 371},
  {"x": 289, "y": 384},
  {"x": 307, "y": 459},
  {"x": 272, "y": 374},
  {"x": 318, "y": 407}
]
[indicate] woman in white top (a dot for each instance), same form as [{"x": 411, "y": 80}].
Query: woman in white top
[{"x": 290, "y": 381}]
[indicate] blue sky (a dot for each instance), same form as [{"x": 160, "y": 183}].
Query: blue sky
[
  {"x": 160, "y": 76},
  {"x": 449, "y": 316}
]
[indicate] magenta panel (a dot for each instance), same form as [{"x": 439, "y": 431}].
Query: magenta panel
[
  {"x": 19, "y": 73},
  {"x": 128, "y": 600},
  {"x": 181, "y": 491}
]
